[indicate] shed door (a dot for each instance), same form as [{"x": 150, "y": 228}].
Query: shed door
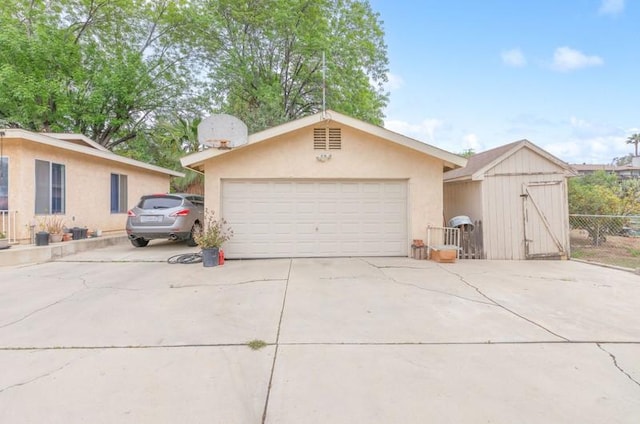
[
  {"x": 287, "y": 218},
  {"x": 544, "y": 220}
]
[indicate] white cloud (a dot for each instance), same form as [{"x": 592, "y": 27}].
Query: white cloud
[
  {"x": 594, "y": 150},
  {"x": 514, "y": 58},
  {"x": 471, "y": 142},
  {"x": 424, "y": 130},
  {"x": 589, "y": 142},
  {"x": 611, "y": 7},
  {"x": 566, "y": 59},
  {"x": 394, "y": 82}
]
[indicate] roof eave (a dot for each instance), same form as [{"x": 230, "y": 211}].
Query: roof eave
[
  {"x": 450, "y": 159},
  {"x": 99, "y": 153}
]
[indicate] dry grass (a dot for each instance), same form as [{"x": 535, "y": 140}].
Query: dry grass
[{"x": 616, "y": 250}]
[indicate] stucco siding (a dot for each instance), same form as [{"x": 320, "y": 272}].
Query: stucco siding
[
  {"x": 87, "y": 186},
  {"x": 362, "y": 157}
]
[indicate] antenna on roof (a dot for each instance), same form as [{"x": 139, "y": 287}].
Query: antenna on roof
[{"x": 324, "y": 87}]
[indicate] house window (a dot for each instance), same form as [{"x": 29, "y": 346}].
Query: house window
[
  {"x": 4, "y": 184},
  {"x": 327, "y": 139},
  {"x": 50, "y": 188},
  {"x": 118, "y": 193}
]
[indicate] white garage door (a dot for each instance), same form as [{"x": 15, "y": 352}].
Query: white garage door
[{"x": 281, "y": 218}]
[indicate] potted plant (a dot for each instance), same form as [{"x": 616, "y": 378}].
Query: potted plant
[
  {"x": 4, "y": 241},
  {"x": 211, "y": 237},
  {"x": 42, "y": 236},
  {"x": 54, "y": 225}
]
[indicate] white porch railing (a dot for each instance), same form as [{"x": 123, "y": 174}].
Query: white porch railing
[
  {"x": 443, "y": 236},
  {"x": 9, "y": 224}
]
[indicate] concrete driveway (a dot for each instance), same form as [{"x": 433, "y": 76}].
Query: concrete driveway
[{"x": 117, "y": 335}]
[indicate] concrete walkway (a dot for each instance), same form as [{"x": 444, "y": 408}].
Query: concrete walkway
[{"x": 117, "y": 335}]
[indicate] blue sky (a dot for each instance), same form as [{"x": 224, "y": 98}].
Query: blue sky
[{"x": 564, "y": 74}]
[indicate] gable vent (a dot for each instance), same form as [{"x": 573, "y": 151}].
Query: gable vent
[
  {"x": 335, "y": 139},
  {"x": 327, "y": 139},
  {"x": 319, "y": 139}
]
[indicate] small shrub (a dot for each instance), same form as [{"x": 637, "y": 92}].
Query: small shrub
[
  {"x": 634, "y": 252},
  {"x": 214, "y": 232},
  {"x": 257, "y": 344}
]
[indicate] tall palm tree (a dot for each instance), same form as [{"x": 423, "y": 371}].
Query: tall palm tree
[{"x": 634, "y": 139}]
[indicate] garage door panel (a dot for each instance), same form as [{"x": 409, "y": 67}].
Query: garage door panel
[{"x": 315, "y": 218}]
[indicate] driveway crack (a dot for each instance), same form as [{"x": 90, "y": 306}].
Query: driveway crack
[
  {"x": 30, "y": 314},
  {"x": 41, "y": 376},
  {"x": 403, "y": 283},
  {"x": 615, "y": 363},
  {"x": 275, "y": 353},
  {"x": 239, "y": 283},
  {"x": 463, "y": 280}
]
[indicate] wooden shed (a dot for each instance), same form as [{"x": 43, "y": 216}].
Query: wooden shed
[{"x": 517, "y": 195}]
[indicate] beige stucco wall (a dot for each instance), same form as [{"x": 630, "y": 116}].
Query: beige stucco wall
[
  {"x": 362, "y": 157},
  {"x": 88, "y": 186}
]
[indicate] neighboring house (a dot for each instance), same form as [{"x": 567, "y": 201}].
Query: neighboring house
[
  {"x": 325, "y": 185},
  {"x": 70, "y": 176},
  {"x": 623, "y": 172},
  {"x": 519, "y": 193}
]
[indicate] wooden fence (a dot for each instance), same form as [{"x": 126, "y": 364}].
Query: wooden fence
[{"x": 471, "y": 246}]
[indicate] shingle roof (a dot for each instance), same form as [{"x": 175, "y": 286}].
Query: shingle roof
[{"x": 480, "y": 160}]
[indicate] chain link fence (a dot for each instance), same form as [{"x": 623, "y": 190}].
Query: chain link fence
[{"x": 607, "y": 239}]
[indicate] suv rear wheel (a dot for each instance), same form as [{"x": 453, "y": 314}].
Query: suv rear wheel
[
  {"x": 194, "y": 230},
  {"x": 139, "y": 242}
]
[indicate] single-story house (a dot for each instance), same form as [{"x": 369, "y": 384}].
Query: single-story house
[
  {"x": 325, "y": 185},
  {"x": 518, "y": 192},
  {"x": 71, "y": 177}
]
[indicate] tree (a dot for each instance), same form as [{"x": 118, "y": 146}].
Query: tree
[
  {"x": 623, "y": 160},
  {"x": 634, "y": 139},
  {"x": 164, "y": 145},
  {"x": 602, "y": 193},
  {"x": 467, "y": 153},
  {"x": 113, "y": 70},
  {"x": 269, "y": 68},
  {"x": 102, "y": 68}
]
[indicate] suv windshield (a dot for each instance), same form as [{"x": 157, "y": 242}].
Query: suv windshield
[{"x": 160, "y": 202}]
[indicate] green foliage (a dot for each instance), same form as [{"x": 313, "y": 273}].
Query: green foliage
[
  {"x": 591, "y": 199},
  {"x": 602, "y": 193},
  {"x": 269, "y": 67},
  {"x": 257, "y": 344},
  {"x": 104, "y": 69},
  {"x": 467, "y": 153},
  {"x": 121, "y": 71},
  {"x": 634, "y": 252},
  {"x": 623, "y": 160},
  {"x": 164, "y": 145},
  {"x": 635, "y": 140},
  {"x": 214, "y": 233}
]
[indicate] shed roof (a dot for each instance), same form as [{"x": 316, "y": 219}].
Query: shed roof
[
  {"x": 480, "y": 163},
  {"x": 81, "y": 144},
  {"x": 196, "y": 160}
]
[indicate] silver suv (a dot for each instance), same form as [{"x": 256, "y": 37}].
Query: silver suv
[{"x": 173, "y": 216}]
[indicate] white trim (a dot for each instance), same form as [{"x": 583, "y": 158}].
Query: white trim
[
  {"x": 58, "y": 142},
  {"x": 196, "y": 160},
  {"x": 78, "y": 137}
]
